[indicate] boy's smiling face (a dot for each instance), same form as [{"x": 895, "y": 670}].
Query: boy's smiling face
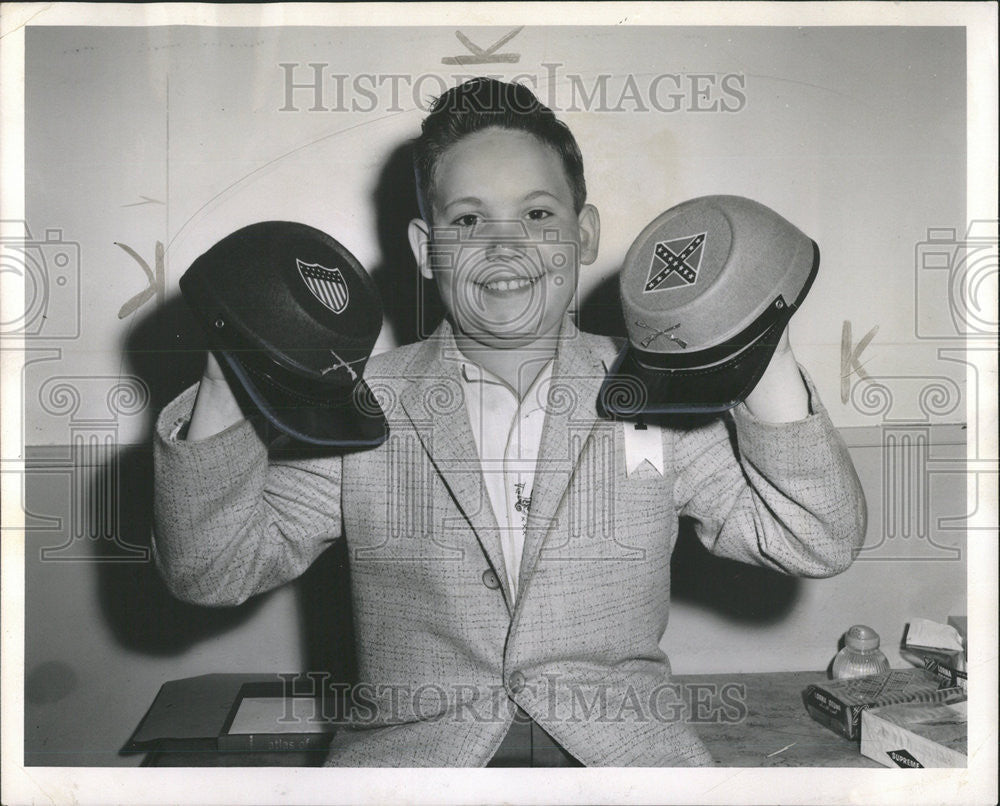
[{"x": 506, "y": 243}]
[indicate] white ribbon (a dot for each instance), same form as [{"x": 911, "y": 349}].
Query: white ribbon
[{"x": 643, "y": 445}]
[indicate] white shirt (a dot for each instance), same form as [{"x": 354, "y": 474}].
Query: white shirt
[{"x": 508, "y": 433}]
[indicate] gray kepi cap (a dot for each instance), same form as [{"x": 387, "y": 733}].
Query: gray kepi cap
[{"x": 706, "y": 289}]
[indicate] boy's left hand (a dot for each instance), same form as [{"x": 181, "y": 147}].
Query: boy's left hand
[{"x": 781, "y": 395}]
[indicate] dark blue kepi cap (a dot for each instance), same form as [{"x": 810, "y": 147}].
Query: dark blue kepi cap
[
  {"x": 295, "y": 317},
  {"x": 707, "y": 289}
]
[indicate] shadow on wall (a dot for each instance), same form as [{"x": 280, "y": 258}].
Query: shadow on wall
[
  {"x": 412, "y": 306},
  {"x": 741, "y": 593},
  {"x": 601, "y": 310},
  {"x": 166, "y": 350}
]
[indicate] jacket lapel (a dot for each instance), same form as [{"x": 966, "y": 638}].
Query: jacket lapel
[
  {"x": 576, "y": 379},
  {"x": 434, "y": 402}
]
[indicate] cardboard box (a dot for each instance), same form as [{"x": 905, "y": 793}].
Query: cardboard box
[
  {"x": 939, "y": 648},
  {"x": 838, "y": 704},
  {"x": 917, "y": 735},
  {"x": 961, "y": 623}
]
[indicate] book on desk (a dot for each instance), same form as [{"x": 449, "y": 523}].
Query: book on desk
[{"x": 235, "y": 713}]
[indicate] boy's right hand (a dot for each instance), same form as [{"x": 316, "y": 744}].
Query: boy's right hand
[{"x": 216, "y": 407}]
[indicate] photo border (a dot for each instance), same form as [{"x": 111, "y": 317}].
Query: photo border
[{"x": 607, "y": 785}]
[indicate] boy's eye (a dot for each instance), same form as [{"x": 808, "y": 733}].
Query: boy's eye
[
  {"x": 467, "y": 220},
  {"x": 538, "y": 215}
]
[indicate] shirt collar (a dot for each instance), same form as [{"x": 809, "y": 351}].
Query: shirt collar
[
  {"x": 441, "y": 350},
  {"x": 535, "y": 396}
]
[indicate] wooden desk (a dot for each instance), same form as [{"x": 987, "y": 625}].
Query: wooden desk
[
  {"x": 763, "y": 724},
  {"x": 777, "y": 731}
]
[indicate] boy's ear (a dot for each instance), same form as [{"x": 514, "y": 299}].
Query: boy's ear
[
  {"x": 590, "y": 233},
  {"x": 420, "y": 238}
]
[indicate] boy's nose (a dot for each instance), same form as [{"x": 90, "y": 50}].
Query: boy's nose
[
  {"x": 501, "y": 231},
  {"x": 502, "y": 240},
  {"x": 500, "y": 250}
]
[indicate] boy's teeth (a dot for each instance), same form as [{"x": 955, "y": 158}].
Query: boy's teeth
[{"x": 507, "y": 285}]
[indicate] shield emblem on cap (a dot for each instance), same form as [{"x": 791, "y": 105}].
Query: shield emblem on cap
[
  {"x": 675, "y": 263},
  {"x": 327, "y": 285}
]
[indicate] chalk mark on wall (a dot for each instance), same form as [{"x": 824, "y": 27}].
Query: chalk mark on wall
[
  {"x": 155, "y": 278},
  {"x": 145, "y": 200},
  {"x": 849, "y": 359},
  {"x": 489, "y": 55}
]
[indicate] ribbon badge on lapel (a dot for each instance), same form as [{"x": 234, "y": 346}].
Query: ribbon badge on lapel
[{"x": 643, "y": 446}]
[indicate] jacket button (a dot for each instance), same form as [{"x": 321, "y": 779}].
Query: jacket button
[
  {"x": 490, "y": 579},
  {"x": 516, "y": 683}
]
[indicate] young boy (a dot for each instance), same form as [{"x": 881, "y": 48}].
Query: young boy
[{"x": 505, "y": 560}]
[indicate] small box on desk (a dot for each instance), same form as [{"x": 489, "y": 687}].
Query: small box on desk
[
  {"x": 941, "y": 649},
  {"x": 838, "y": 704},
  {"x": 914, "y": 735}
]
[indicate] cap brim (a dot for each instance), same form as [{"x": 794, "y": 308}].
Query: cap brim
[
  {"x": 353, "y": 420},
  {"x": 632, "y": 388}
]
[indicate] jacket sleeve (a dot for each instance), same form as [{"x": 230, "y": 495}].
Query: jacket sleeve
[
  {"x": 782, "y": 495},
  {"x": 228, "y": 522}
]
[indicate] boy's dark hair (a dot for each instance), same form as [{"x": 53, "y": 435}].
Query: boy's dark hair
[{"x": 482, "y": 103}]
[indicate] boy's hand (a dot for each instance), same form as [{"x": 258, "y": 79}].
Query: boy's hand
[
  {"x": 216, "y": 407},
  {"x": 781, "y": 395}
]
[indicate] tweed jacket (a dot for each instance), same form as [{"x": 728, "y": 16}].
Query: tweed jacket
[{"x": 444, "y": 654}]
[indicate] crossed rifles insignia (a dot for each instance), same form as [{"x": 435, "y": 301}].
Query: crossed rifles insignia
[
  {"x": 340, "y": 363},
  {"x": 657, "y": 333}
]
